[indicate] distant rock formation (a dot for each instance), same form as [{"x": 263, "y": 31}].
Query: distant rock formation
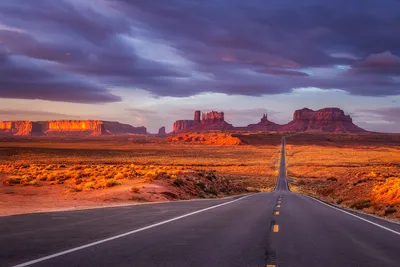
[
  {"x": 19, "y": 128},
  {"x": 209, "y": 121},
  {"x": 264, "y": 125},
  {"x": 323, "y": 120},
  {"x": 212, "y": 117},
  {"x": 182, "y": 126},
  {"x": 162, "y": 131},
  {"x": 67, "y": 127},
  {"x": 197, "y": 116}
]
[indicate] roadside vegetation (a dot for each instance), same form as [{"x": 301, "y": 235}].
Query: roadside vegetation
[{"x": 361, "y": 177}]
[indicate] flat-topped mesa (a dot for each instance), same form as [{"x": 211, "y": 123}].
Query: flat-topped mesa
[
  {"x": 325, "y": 114},
  {"x": 67, "y": 127},
  {"x": 18, "y": 128},
  {"x": 87, "y": 127},
  {"x": 113, "y": 127},
  {"x": 202, "y": 122},
  {"x": 323, "y": 120},
  {"x": 212, "y": 117}
]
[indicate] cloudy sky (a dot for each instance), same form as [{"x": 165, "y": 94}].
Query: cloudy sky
[{"x": 150, "y": 62}]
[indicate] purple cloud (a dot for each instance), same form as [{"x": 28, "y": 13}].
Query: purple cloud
[
  {"x": 187, "y": 47},
  {"x": 19, "y": 79},
  {"x": 389, "y": 114}
]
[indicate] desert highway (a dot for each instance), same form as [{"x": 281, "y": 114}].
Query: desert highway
[{"x": 280, "y": 228}]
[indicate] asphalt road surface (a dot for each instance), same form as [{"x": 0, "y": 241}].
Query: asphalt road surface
[{"x": 267, "y": 229}]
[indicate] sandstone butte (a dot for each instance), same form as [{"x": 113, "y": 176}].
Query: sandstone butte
[
  {"x": 203, "y": 122},
  {"x": 162, "y": 131},
  {"x": 331, "y": 120},
  {"x": 66, "y": 127}
]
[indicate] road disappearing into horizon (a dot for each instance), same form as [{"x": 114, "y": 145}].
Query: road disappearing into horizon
[{"x": 280, "y": 228}]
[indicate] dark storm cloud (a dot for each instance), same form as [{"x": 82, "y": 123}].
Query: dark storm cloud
[
  {"x": 233, "y": 47},
  {"x": 33, "y": 82},
  {"x": 379, "y": 64}
]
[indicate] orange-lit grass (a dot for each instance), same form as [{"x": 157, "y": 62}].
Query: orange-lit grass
[
  {"x": 361, "y": 177},
  {"x": 59, "y": 162}
]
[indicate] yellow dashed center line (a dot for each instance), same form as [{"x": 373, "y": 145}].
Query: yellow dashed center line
[
  {"x": 278, "y": 206},
  {"x": 275, "y": 229},
  {"x": 276, "y": 212},
  {"x": 270, "y": 265}
]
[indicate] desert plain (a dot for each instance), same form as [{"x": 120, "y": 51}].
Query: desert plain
[{"x": 356, "y": 171}]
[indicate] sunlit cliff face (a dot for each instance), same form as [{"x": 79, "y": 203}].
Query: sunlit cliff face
[
  {"x": 57, "y": 127},
  {"x": 73, "y": 125}
]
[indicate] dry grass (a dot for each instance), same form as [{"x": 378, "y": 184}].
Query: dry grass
[
  {"x": 97, "y": 161},
  {"x": 211, "y": 138},
  {"x": 360, "y": 177},
  {"x": 43, "y": 174}
]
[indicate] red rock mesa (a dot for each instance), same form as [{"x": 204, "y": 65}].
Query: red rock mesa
[
  {"x": 209, "y": 121},
  {"x": 67, "y": 127}
]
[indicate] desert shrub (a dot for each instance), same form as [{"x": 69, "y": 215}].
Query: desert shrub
[
  {"x": 139, "y": 199},
  {"x": 89, "y": 185},
  {"x": 41, "y": 177},
  {"x": 111, "y": 183},
  {"x": 135, "y": 189},
  {"x": 373, "y": 174},
  {"x": 210, "y": 176},
  {"x": 34, "y": 183},
  {"x": 78, "y": 181},
  {"x": 12, "y": 181},
  {"x": 24, "y": 166},
  {"x": 169, "y": 195},
  {"x": 26, "y": 179},
  {"x": 110, "y": 175},
  {"x": 251, "y": 189},
  {"x": 390, "y": 210},
  {"x": 75, "y": 189},
  {"x": 225, "y": 191},
  {"x": 179, "y": 182},
  {"x": 161, "y": 176},
  {"x": 211, "y": 190},
  {"x": 361, "y": 204},
  {"x": 133, "y": 174},
  {"x": 150, "y": 174},
  {"x": 201, "y": 185},
  {"x": 119, "y": 176},
  {"x": 332, "y": 179},
  {"x": 361, "y": 181},
  {"x": 301, "y": 182},
  {"x": 339, "y": 201},
  {"x": 50, "y": 167}
]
